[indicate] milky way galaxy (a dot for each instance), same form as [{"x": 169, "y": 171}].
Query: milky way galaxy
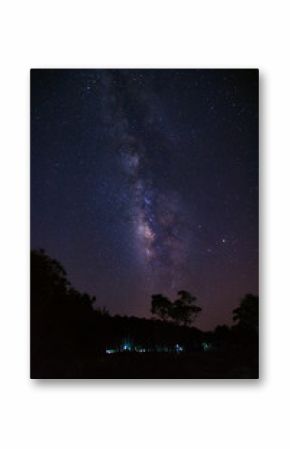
[
  {"x": 156, "y": 214},
  {"x": 146, "y": 182}
]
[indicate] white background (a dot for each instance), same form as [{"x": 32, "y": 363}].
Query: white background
[{"x": 131, "y": 414}]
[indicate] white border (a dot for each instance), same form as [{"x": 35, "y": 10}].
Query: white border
[{"x": 156, "y": 33}]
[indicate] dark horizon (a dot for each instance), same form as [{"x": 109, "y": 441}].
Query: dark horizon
[{"x": 146, "y": 182}]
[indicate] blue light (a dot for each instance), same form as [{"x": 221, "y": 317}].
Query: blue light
[
  {"x": 126, "y": 347},
  {"x": 178, "y": 348}
]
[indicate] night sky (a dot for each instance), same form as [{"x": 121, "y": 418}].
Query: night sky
[{"x": 146, "y": 182}]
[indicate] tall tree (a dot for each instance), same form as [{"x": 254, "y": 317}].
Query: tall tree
[
  {"x": 184, "y": 311},
  {"x": 161, "y": 307},
  {"x": 247, "y": 314}
]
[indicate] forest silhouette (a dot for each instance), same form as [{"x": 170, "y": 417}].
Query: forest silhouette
[{"x": 73, "y": 338}]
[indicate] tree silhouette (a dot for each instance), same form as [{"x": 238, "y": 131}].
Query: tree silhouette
[
  {"x": 48, "y": 278},
  {"x": 61, "y": 318},
  {"x": 70, "y": 335},
  {"x": 161, "y": 307},
  {"x": 184, "y": 311},
  {"x": 247, "y": 314}
]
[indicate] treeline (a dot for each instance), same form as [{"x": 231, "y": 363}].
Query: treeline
[{"x": 70, "y": 335}]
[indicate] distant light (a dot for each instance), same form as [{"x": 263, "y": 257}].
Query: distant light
[
  {"x": 178, "y": 348},
  {"x": 126, "y": 347},
  {"x": 110, "y": 351}
]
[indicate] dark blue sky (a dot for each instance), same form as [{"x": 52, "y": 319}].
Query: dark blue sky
[{"x": 146, "y": 181}]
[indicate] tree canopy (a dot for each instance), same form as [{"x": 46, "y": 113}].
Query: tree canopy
[
  {"x": 247, "y": 314},
  {"x": 182, "y": 311}
]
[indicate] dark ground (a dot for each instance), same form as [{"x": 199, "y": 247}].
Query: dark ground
[{"x": 200, "y": 365}]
